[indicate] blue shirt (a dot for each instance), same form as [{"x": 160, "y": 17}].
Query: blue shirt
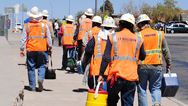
[{"x": 27, "y": 20}]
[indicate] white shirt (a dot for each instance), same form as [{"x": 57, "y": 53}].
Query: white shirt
[{"x": 56, "y": 25}]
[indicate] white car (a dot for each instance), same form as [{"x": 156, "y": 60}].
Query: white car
[
  {"x": 18, "y": 26},
  {"x": 177, "y": 27}
]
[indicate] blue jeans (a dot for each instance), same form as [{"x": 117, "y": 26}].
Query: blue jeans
[
  {"x": 64, "y": 57},
  {"x": 154, "y": 77},
  {"x": 127, "y": 89},
  {"x": 46, "y": 54},
  {"x": 36, "y": 59},
  {"x": 56, "y": 32},
  {"x": 104, "y": 87}
]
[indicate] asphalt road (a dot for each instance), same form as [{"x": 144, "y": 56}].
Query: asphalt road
[{"x": 178, "y": 46}]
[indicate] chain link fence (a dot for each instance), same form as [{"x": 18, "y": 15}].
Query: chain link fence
[{"x": 4, "y": 26}]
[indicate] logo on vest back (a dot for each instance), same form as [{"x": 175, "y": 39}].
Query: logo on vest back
[
  {"x": 126, "y": 39},
  {"x": 149, "y": 35}
]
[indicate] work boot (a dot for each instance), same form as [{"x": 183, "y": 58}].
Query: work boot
[
  {"x": 40, "y": 85},
  {"x": 157, "y": 104}
]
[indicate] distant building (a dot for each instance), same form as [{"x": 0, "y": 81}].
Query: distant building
[{"x": 185, "y": 17}]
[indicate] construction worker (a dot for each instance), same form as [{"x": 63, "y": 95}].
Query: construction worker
[
  {"x": 151, "y": 68},
  {"x": 83, "y": 25},
  {"x": 67, "y": 32},
  {"x": 96, "y": 23},
  {"x": 123, "y": 49},
  {"x": 35, "y": 36},
  {"x": 96, "y": 47},
  {"x": 45, "y": 15},
  {"x": 49, "y": 23}
]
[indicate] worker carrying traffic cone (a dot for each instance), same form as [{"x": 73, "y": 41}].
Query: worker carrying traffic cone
[
  {"x": 123, "y": 49},
  {"x": 150, "y": 69}
]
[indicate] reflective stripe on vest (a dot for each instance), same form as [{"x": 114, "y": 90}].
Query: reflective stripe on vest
[
  {"x": 116, "y": 57},
  {"x": 68, "y": 34},
  {"x": 81, "y": 26},
  {"x": 90, "y": 34},
  {"x": 154, "y": 51},
  {"x": 36, "y": 37},
  {"x": 98, "y": 49}
]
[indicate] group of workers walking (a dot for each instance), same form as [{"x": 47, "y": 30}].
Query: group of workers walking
[{"x": 122, "y": 60}]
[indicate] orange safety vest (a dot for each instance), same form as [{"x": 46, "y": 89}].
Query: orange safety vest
[
  {"x": 96, "y": 59},
  {"x": 48, "y": 23},
  {"x": 85, "y": 24},
  {"x": 36, "y": 36},
  {"x": 68, "y": 34},
  {"x": 92, "y": 32},
  {"x": 153, "y": 40},
  {"x": 124, "y": 55}
]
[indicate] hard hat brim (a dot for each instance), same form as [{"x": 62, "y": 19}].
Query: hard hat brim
[
  {"x": 143, "y": 21},
  {"x": 34, "y": 16},
  {"x": 69, "y": 20},
  {"x": 113, "y": 26},
  {"x": 97, "y": 22},
  {"x": 45, "y": 15},
  {"x": 88, "y": 14},
  {"x": 127, "y": 21}
]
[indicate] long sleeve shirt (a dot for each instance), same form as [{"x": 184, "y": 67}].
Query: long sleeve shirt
[
  {"x": 166, "y": 54},
  {"x": 24, "y": 38},
  {"x": 106, "y": 56}
]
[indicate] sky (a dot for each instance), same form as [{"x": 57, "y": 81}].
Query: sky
[{"x": 60, "y": 8}]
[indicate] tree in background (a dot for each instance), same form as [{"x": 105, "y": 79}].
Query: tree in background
[
  {"x": 109, "y": 10},
  {"x": 130, "y": 8},
  {"x": 78, "y": 15}
]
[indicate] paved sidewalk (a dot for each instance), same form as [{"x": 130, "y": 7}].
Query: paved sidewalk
[{"x": 67, "y": 89}]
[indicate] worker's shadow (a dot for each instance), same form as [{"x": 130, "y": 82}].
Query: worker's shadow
[
  {"x": 80, "y": 90},
  {"x": 68, "y": 71},
  {"x": 37, "y": 90}
]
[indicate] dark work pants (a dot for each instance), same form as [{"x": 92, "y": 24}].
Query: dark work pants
[
  {"x": 79, "y": 49},
  {"x": 127, "y": 89}
]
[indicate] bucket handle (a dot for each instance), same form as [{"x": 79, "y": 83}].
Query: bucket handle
[
  {"x": 97, "y": 89},
  {"x": 169, "y": 72}
]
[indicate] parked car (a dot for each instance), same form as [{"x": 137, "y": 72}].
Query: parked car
[
  {"x": 18, "y": 26},
  {"x": 177, "y": 27}
]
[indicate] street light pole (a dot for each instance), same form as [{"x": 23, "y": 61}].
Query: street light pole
[
  {"x": 51, "y": 8},
  {"x": 103, "y": 8},
  {"x": 95, "y": 7},
  {"x": 69, "y": 7}
]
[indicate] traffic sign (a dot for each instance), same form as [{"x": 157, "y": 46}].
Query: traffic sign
[{"x": 23, "y": 8}]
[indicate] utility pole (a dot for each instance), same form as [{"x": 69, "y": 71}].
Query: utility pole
[
  {"x": 103, "y": 8},
  {"x": 69, "y": 7},
  {"x": 95, "y": 7}
]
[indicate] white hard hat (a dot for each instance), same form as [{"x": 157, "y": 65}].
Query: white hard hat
[
  {"x": 143, "y": 17},
  {"x": 70, "y": 18},
  {"x": 83, "y": 16},
  {"x": 45, "y": 13},
  {"x": 128, "y": 17},
  {"x": 89, "y": 12},
  {"x": 109, "y": 22},
  {"x": 97, "y": 19},
  {"x": 34, "y": 13}
]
